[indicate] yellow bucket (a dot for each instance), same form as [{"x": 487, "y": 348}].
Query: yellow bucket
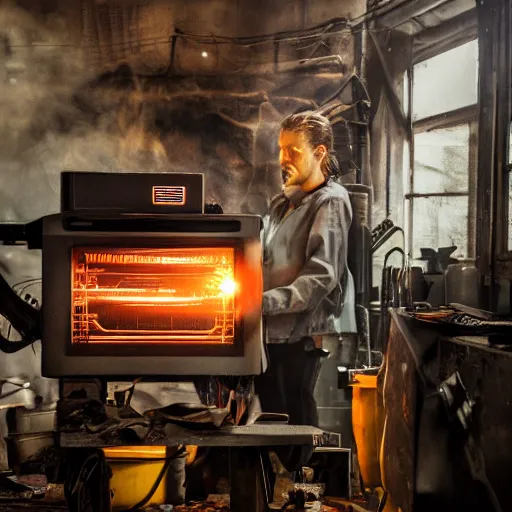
[
  {"x": 133, "y": 476},
  {"x": 135, "y": 470}
]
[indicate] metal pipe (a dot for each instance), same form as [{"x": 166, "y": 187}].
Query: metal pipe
[
  {"x": 404, "y": 11},
  {"x": 436, "y": 194},
  {"x": 394, "y": 101},
  {"x": 410, "y": 141}
]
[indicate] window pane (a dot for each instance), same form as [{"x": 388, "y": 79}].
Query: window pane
[
  {"x": 446, "y": 82},
  {"x": 407, "y": 227},
  {"x": 406, "y": 160},
  {"x": 441, "y": 159},
  {"x": 510, "y": 145},
  {"x": 405, "y": 95},
  {"x": 440, "y": 222},
  {"x": 509, "y": 231}
]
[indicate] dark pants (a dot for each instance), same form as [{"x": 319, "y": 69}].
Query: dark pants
[{"x": 288, "y": 387}]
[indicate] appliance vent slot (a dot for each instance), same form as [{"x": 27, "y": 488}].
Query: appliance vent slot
[
  {"x": 151, "y": 225},
  {"x": 169, "y": 196}
]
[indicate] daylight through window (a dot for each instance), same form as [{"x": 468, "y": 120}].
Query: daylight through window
[{"x": 441, "y": 189}]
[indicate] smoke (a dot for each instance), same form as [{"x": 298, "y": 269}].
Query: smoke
[
  {"x": 58, "y": 112},
  {"x": 61, "y": 113},
  {"x": 42, "y": 130}
]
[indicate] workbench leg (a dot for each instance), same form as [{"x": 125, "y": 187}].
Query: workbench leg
[{"x": 247, "y": 485}]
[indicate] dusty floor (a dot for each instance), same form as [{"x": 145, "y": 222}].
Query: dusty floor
[
  {"x": 32, "y": 507},
  {"x": 40, "y": 507}
]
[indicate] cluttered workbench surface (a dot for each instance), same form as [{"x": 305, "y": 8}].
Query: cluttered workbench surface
[{"x": 240, "y": 436}]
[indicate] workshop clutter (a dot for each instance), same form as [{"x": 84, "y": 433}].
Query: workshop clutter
[{"x": 30, "y": 431}]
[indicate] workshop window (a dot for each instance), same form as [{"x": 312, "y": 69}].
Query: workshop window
[{"x": 441, "y": 190}]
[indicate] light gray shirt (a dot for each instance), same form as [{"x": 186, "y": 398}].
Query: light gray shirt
[{"x": 308, "y": 289}]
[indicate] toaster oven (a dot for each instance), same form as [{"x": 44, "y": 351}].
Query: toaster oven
[{"x": 139, "y": 281}]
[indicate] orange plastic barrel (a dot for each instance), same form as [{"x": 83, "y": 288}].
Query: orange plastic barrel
[{"x": 367, "y": 424}]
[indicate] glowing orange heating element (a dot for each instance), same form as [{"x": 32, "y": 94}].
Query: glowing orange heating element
[{"x": 138, "y": 296}]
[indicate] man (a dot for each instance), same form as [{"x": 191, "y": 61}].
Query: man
[{"x": 308, "y": 289}]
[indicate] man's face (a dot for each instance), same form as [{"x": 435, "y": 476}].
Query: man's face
[{"x": 296, "y": 157}]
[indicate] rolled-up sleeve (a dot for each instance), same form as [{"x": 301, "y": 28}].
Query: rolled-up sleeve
[{"x": 325, "y": 261}]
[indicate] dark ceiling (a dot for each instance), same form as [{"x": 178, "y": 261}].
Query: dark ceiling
[{"x": 415, "y": 16}]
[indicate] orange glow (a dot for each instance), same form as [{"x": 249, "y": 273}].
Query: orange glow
[
  {"x": 155, "y": 295},
  {"x": 249, "y": 275},
  {"x": 139, "y": 452},
  {"x": 228, "y": 286}
]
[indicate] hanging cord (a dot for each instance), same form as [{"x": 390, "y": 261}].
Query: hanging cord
[
  {"x": 20, "y": 288},
  {"x": 87, "y": 482},
  {"x": 82, "y": 493},
  {"x": 87, "y": 469}
]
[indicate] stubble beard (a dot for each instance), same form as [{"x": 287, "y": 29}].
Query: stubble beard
[{"x": 292, "y": 177}]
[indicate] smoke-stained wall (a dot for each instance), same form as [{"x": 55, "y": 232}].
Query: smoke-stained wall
[
  {"x": 113, "y": 26},
  {"x": 85, "y": 86},
  {"x": 57, "y": 115}
]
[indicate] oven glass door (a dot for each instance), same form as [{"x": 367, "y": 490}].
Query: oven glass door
[{"x": 142, "y": 296}]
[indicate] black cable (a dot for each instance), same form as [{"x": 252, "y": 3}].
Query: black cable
[
  {"x": 157, "y": 482},
  {"x": 11, "y": 347},
  {"x": 315, "y": 31},
  {"x": 25, "y": 284},
  {"x": 26, "y": 281},
  {"x": 339, "y": 90},
  {"x": 87, "y": 481},
  {"x": 24, "y": 318},
  {"x": 375, "y": 12},
  {"x": 318, "y": 31},
  {"x": 21, "y": 290},
  {"x": 383, "y": 502}
]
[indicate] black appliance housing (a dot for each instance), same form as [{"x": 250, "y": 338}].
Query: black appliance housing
[{"x": 127, "y": 219}]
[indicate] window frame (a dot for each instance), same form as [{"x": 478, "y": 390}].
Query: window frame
[{"x": 465, "y": 115}]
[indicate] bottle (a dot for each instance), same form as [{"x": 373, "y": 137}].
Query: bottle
[{"x": 462, "y": 285}]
